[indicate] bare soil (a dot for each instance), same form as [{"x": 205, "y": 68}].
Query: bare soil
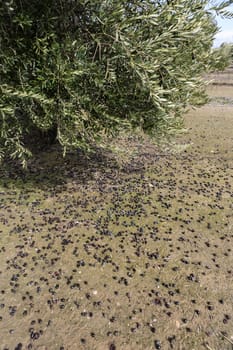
[{"x": 130, "y": 251}]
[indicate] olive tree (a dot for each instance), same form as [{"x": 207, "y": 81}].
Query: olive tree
[{"x": 84, "y": 70}]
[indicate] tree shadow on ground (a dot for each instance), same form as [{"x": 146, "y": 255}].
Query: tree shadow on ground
[{"x": 50, "y": 169}]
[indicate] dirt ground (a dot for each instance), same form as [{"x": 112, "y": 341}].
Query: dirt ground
[{"x": 127, "y": 254}]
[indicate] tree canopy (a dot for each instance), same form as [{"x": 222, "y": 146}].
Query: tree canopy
[
  {"x": 88, "y": 69},
  {"x": 223, "y": 56}
]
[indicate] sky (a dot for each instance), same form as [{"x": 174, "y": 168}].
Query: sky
[{"x": 226, "y": 31}]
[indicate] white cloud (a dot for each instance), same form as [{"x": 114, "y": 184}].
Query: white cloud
[{"x": 226, "y": 36}]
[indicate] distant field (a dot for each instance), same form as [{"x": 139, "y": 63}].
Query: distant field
[
  {"x": 220, "y": 88},
  {"x": 220, "y": 91},
  {"x": 223, "y": 78}
]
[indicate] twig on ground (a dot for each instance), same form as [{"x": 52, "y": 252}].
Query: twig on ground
[{"x": 229, "y": 340}]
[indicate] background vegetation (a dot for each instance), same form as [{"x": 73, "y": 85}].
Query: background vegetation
[
  {"x": 224, "y": 56},
  {"x": 79, "y": 71}
]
